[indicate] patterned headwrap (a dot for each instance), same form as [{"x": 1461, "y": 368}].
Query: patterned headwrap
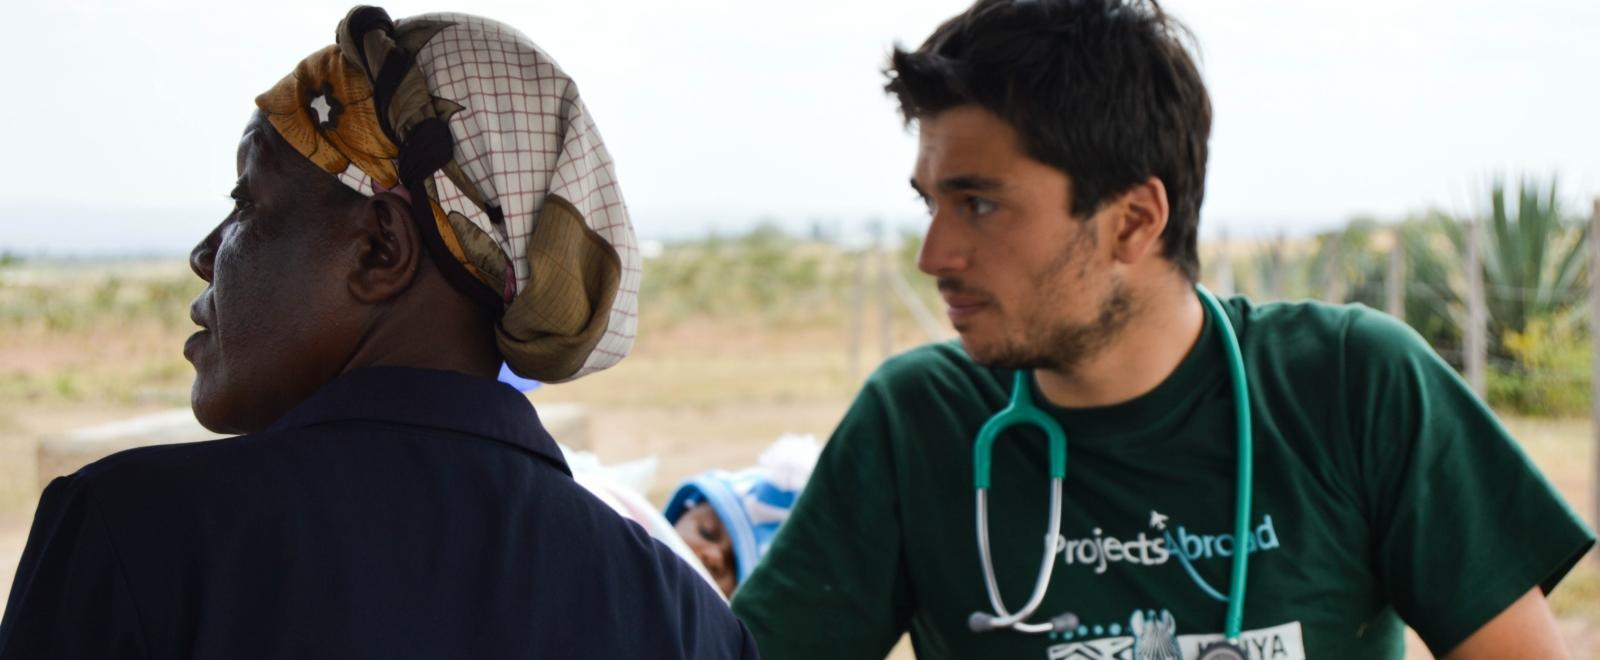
[{"x": 486, "y": 138}]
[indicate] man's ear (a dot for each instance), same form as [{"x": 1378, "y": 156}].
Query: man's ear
[
  {"x": 390, "y": 251},
  {"x": 1142, "y": 216}
]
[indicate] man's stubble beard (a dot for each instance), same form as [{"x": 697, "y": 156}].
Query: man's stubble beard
[
  {"x": 1057, "y": 344},
  {"x": 1063, "y": 346}
]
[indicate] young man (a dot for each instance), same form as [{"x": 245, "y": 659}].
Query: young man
[
  {"x": 414, "y": 205},
  {"x": 1062, "y": 154}
]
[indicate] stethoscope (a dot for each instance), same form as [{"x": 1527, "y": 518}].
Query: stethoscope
[{"x": 1023, "y": 411}]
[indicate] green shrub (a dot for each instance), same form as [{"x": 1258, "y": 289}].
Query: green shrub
[{"x": 1551, "y": 372}]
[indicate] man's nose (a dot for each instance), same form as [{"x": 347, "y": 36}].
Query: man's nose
[{"x": 944, "y": 250}]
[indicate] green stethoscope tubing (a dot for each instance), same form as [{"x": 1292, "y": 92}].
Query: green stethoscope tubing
[{"x": 1022, "y": 411}]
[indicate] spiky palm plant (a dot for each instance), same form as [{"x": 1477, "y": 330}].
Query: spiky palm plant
[{"x": 1532, "y": 257}]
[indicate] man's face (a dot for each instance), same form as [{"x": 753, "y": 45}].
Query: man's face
[
  {"x": 275, "y": 320},
  {"x": 701, "y": 528},
  {"x": 1027, "y": 284}
]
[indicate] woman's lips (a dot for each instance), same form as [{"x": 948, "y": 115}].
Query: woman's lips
[
  {"x": 192, "y": 344},
  {"x": 197, "y": 315}
]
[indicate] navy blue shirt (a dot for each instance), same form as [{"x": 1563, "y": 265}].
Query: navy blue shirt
[{"x": 396, "y": 513}]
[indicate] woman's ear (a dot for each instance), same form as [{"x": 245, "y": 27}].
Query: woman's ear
[{"x": 390, "y": 250}]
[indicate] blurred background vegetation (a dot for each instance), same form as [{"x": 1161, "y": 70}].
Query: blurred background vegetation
[{"x": 1534, "y": 270}]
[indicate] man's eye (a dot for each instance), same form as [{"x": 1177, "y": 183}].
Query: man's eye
[{"x": 979, "y": 206}]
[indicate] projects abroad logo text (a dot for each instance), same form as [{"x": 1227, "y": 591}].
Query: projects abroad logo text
[{"x": 1161, "y": 543}]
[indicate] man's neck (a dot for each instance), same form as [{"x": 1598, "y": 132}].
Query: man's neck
[{"x": 1151, "y": 345}]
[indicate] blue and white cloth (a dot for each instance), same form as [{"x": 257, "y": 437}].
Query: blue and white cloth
[{"x": 752, "y": 503}]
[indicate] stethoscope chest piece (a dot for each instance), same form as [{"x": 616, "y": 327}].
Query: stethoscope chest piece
[
  {"x": 1019, "y": 412},
  {"x": 1223, "y": 651}
]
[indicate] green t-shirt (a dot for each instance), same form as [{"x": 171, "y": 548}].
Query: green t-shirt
[{"x": 1384, "y": 490}]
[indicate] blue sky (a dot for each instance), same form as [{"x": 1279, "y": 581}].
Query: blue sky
[{"x": 122, "y": 117}]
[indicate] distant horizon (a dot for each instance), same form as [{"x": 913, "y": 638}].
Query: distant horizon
[
  {"x": 169, "y": 234},
  {"x": 34, "y": 231}
]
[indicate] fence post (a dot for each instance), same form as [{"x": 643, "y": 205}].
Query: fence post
[
  {"x": 1395, "y": 283},
  {"x": 1333, "y": 270},
  {"x": 858, "y": 312},
  {"x": 1477, "y": 345},
  {"x": 1279, "y": 265},
  {"x": 1224, "y": 266},
  {"x": 919, "y": 310},
  {"x": 1594, "y": 344},
  {"x": 885, "y": 303}
]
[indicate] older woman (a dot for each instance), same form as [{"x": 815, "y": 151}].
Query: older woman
[{"x": 415, "y": 204}]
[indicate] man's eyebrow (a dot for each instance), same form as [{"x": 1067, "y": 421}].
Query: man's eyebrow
[
  {"x": 917, "y": 188},
  {"x": 966, "y": 182},
  {"x": 960, "y": 183}
]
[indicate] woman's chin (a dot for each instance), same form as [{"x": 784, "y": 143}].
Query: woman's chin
[{"x": 209, "y": 409}]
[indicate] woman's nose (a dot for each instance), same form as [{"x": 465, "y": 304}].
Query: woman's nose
[{"x": 202, "y": 259}]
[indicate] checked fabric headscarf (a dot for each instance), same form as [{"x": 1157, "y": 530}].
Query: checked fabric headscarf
[{"x": 487, "y": 139}]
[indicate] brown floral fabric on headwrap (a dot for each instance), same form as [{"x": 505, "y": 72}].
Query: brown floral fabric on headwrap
[{"x": 486, "y": 137}]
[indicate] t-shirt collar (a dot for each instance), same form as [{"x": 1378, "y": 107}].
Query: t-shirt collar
[
  {"x": 1156, "y": 412},
  {"x": 444, "y": 400}
]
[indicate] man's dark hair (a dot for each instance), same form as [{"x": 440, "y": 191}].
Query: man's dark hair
[{"x": 1102, "y": 90}]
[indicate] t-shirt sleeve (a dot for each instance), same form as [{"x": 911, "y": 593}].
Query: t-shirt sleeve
[
  {"x": 70, "y": 598},
  {"x": 1463, "y": 523},
  {"x": 832, "y": 585}
]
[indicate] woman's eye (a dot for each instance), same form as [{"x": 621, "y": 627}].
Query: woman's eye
[{"x": 240, "y": 202}]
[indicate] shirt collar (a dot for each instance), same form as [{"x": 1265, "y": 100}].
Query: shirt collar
[{"x": 444, "y": 400}]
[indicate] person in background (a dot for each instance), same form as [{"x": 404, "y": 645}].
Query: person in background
[
  {"x": 423, "y": 200},
  {"x": 1062, "y": 150},
  {"x": 728, "y": 519},
  {"x": 718, "y": 522}
]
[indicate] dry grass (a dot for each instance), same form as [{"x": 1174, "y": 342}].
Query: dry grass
[{"x": 1564, "y": 450}]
